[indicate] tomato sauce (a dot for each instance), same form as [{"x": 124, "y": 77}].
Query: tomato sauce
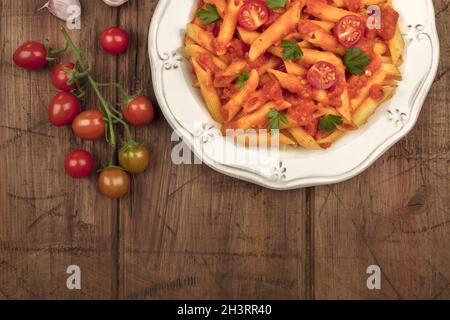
[
  {"x": 353, "y": 5},
  {"x": 228, "y": 92},
  {"x": 273, "y": 91},
  {"x": 355, "y": 83},
  {"x": 206, "y": 61},
  {"x": 306, "y": 28},
  {"x": 367, "y": 47},
  {"x": 274, "y": 15},
  {"x": 303, "y": 113},
  {"x": 237, "y": 49},
  {"x": 303, "y": 89},
  {"x": 335, "y": 93},
  {"x": 389, "y": 20},
  {"x": 376, "y": 92},
  {"x": 258, "y": 63}
]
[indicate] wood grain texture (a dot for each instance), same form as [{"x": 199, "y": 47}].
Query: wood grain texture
[
  {"x": 395, "y": 215},
  {"x": 49, "y": 221},
  {"x": 189, "y": 232}
]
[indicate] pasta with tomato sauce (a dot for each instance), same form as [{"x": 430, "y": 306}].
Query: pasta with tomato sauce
[{"x": 310, "y": 70}]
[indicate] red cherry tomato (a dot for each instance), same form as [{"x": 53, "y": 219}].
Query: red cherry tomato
[
  {"x": 89, "y": 125},
  {"x": 79, "y": 164},
  {"x": 63, "y": 108},
  {"x": 322, "y": 75},
  {"x": 31, "y": 56},
  {"x": 60, "y": 77},
  {"x": 253, "y": 14},
  {"x": 139, "y": 112},
  {"x": 114, "y": 40},
  {"x": 350, "y": 30}
]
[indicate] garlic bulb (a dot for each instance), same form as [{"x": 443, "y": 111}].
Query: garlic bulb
[
  {"x": 115, "y": 3},
  {"x": 64, "y": 9}
]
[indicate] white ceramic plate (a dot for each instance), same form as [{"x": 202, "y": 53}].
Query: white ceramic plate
[{"x": 185, "y": 111}]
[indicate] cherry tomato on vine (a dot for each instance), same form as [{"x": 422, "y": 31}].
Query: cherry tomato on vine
[
  {"x": 134, "y": 159},
  {"x": 350, "y": 30},
  {"x": 322, "y": 75},
  {"x": 114, "y": 40},
  {"x": 139, "y": 112},
  {"x": 89, "y": 125},
  {"x": 253, "y": 14},
  {"x": 63, "y": 108},
  {"x": 114, "y": 183},
  {"x": 79, "y": 164},
  {"x": 61, "y": 77},
  {"x": 31, "y": 55}
]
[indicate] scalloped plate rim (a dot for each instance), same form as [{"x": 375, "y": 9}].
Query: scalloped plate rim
[{"x": 305, "y": 181}]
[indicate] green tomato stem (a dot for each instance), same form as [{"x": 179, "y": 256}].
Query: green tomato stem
[{"x": 106, "y": 107}]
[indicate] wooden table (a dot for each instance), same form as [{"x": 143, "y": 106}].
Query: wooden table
[{"x": 189, "y": 232}]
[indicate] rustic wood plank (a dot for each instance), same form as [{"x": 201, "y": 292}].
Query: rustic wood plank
[
  {"x": 188, "y": 232},
  {"x": 47, "y": 220},
  {"x": 395, "y": 215}
]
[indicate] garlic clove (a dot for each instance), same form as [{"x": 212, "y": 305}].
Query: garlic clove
[
  {"x": 115, "y": 3},
  {"x": 62, "y": 9}
]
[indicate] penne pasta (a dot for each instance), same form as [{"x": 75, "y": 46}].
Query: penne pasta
[
  {"x": 200, "y": 36},
  {"x": 363, "y": 93},
  {"x": 303, "y": 138},
  {"x": 298, "y": 72},
  {"x": 208, "y": 91},
  {"x": 326, "y": 12},
  {"x": 231, "y": 109},
  {"x": 279, "y": 29},
  {"x": 195, "y": 51},
  {"x": 320, "y": 37},
  {"x": 369, "y": 106},
  {"x": 228, "y": 26}
]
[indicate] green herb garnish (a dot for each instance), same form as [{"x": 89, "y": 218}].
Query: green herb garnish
[
  {"x": 274, "y": 4},
  {"x": 291, "y": 50},
  {"x": 209, "y": 14},
  {"x": 329, "y": 123},
  {"x": 242, "y": 78},
  {"x": 356, "y": 61},
  {"x": 275, "y": 117}
]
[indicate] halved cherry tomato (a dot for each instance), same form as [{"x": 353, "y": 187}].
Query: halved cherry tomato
[
  {"x": 253, "y": 14},
  {"x": 139, "y": 112},
  {"x": 89, "y": 125},
  {"x": 134, "y": 159},
  {"x": 31, "y": 55},
  {"x": 322, "y": 75},
  {"x": 114, "y": 40},
  {"x": 63, "y": 108},
  {"x": 79, "y": 164},
  {"x": 60, "y": 77},
  {"x": 350, "y": 30},
  {"x": 114, "y": 183}
]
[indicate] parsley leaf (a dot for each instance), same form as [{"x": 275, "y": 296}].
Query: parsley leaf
[
  {"x": 329, "y": 123},
  {"x": 356, "y": 60},
  {"x": 208, "y": 15},
  {"x": 273, "y": 4},
  {"x": 291, "y": 50},
  {"x": 242, "y": 78},
  {"x": 275, "y": 117}
]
